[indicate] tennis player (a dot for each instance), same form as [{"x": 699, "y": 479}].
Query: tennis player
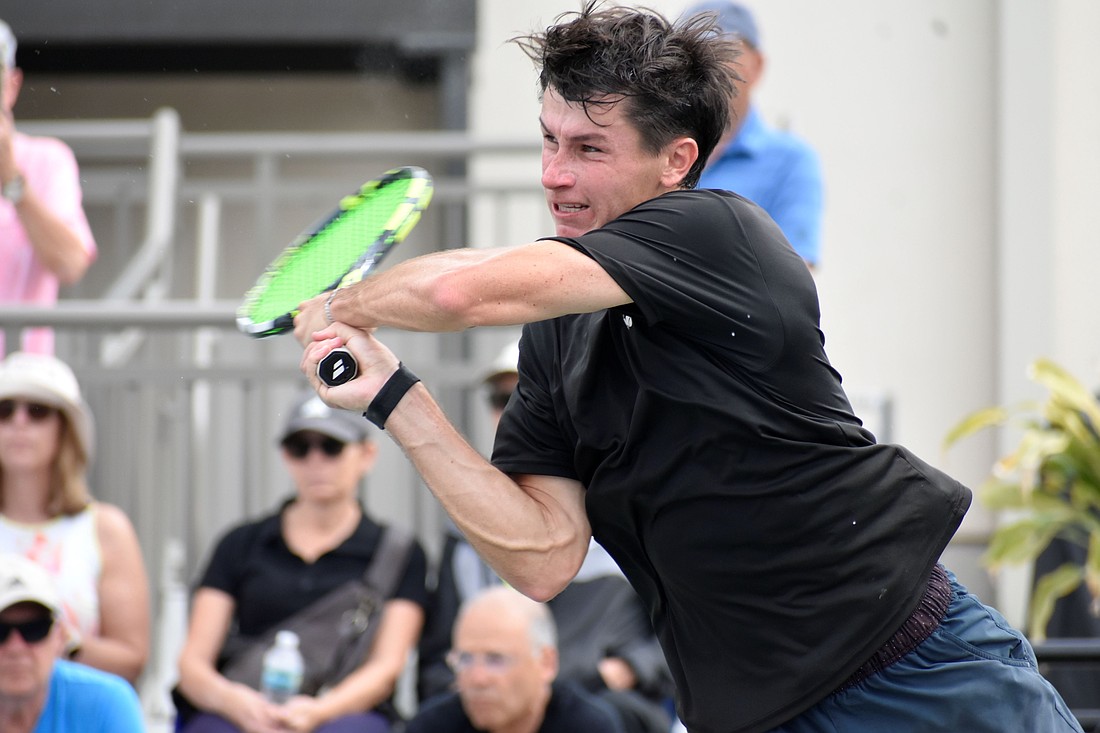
[{"x": 675, "y": 400}]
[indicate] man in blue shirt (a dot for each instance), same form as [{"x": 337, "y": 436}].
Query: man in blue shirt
[
  {"x": 38, "y": 691},
  {"x": 775, "y": 169}
]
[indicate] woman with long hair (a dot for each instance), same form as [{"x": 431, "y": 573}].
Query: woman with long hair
[{"x": 48, "y": 515}]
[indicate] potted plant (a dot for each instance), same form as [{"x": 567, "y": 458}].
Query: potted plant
[{"x": 1050, "y": 483}]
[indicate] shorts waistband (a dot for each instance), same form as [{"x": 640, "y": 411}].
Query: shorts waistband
[{"x": 918, "y": 627}]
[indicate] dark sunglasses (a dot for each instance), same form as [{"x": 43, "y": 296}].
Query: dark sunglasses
[
  {"x": 498, "y": 399},
  {"x": 299, "y": 446},
  {"x": 36, "y": 411},
  {"x": 31, "y": 631}
]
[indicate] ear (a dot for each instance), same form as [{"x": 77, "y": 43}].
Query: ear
[
  {"x": 752, "y": 67},
  {"x": 368, "y": 451},
  {"x": 548, "y": 663},
  {"x": 680, "y": 155},
  {"x": 10, "y": 87}
]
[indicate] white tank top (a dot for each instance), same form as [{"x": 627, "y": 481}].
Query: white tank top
[{"x": 69, "y": 549}]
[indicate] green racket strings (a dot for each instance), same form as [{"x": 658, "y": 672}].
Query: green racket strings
[{"x": 320, "y": 260}]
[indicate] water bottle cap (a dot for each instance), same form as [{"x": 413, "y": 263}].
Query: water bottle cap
[{"x": 286, "y": 638}]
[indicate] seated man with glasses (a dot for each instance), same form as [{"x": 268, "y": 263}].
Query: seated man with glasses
[
  {"x": 505, "y": 661},
  {"x": 39, "y": 691}
]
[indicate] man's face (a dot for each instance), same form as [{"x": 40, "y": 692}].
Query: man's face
[
  {"x": 25, "y": 665},
  {"x": 501, "y": 680},
  {"x": 594, "y": 170}
]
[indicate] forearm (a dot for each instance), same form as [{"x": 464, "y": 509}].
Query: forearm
[
  {"x": 459, "y": 289},
  {"x": 533, "y": 534},
  {"x": 55, "y": 244},
  {"x": 206, "y": 689},
  {"x": 361, "y": 691}
]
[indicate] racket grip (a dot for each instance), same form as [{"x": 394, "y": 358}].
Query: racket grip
[{"x": 337, "y": 367}]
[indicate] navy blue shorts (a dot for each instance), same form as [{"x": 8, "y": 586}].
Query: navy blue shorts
[{"x": 974, "y": 674}]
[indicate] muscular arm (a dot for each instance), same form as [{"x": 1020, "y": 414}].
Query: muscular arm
[
  {"x": 533, "y": 530},
  {"x": 458, "y": 289}
]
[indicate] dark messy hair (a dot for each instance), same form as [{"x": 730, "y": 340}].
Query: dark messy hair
[{"x": 675, "y": 79}]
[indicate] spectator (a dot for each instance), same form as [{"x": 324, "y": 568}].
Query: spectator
[
  {"x": 38, "y": 691},
  {"x": 263, "y": 572},
  {"x": 505, "y": 662},
  {"x": 48, "y": 515},
  {"x": 771, "y": 167},
  {"x": 45, "y": 240}
]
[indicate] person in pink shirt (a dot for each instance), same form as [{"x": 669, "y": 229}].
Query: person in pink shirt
[{"x": 45, "y": 240}]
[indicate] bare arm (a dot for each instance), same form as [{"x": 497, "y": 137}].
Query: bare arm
[
  {"x": 200, "y": 682},
  {"x": 122, "y": 646},
  {"x": 371, "y": 684},
  {"x": 458, "y": 289},
  {"x": 533, "y": 530},
  {"x": 56, "y": 245}
]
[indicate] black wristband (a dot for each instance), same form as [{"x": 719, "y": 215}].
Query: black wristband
[{"x": 391, "y": 393}]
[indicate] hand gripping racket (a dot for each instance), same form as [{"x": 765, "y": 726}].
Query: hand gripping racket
[{"x": 338, "y": 251}]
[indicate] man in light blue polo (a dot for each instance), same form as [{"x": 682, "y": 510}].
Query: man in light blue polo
[
  {"x": 775, "y": 169},
  {"x": 38, "y": 691}
]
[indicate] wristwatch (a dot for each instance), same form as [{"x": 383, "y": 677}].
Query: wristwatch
[{"x": 14, "y": 189}]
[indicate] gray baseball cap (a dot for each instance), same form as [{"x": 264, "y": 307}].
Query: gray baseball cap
[{"x": 308, "y": 412}]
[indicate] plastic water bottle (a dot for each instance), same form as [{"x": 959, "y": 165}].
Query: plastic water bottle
[{"x": 283, "y": 667}]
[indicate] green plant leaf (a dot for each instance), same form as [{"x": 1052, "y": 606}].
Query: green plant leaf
[
  {"x": 1056, "y": 584},
  {"x": 1051, "y": 480}
]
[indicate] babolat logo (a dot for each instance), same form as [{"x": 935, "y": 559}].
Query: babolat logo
[{"x": 338, "y": 368}]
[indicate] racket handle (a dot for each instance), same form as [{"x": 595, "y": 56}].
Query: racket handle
[{"x": 337, "y": 367}]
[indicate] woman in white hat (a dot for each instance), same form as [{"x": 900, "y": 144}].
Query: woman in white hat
[{"x": 48, "y": 515}]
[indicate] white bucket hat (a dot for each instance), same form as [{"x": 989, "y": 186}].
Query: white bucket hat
[
  {"x": 7, "y": 46},
  {"x": 25, "y": 581},
  {"x": 49, "y": 380}
]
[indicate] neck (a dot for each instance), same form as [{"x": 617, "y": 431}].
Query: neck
[
  {"x": 24, "y": 495},
  {"x": 310, "y": 529},
  {"x": 323, "y": 514},
  {"x": 20, "y": 715},
  {"x": 532, "y": 721}
]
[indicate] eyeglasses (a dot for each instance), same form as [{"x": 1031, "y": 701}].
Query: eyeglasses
[
  {"x": 32, "y": 631},
  {"x": 494, "y": 662},
  {"x": 299, "y": 446},
  {"x": 498, "y": 398},
  {"x": 36, "y": 411}
]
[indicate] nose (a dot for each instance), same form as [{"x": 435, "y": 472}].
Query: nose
[{"x": 556, "y": 173}]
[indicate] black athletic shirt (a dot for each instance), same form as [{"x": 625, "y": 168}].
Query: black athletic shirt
[
  {"x": 776, "y": 545},
  {"x": 269, "y": 583}
]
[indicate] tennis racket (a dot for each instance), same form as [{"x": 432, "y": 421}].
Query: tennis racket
[{"x": 338, "y": 251}]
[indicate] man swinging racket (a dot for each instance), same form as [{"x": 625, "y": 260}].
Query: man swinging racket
[{"x": 675, "y": 401}]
